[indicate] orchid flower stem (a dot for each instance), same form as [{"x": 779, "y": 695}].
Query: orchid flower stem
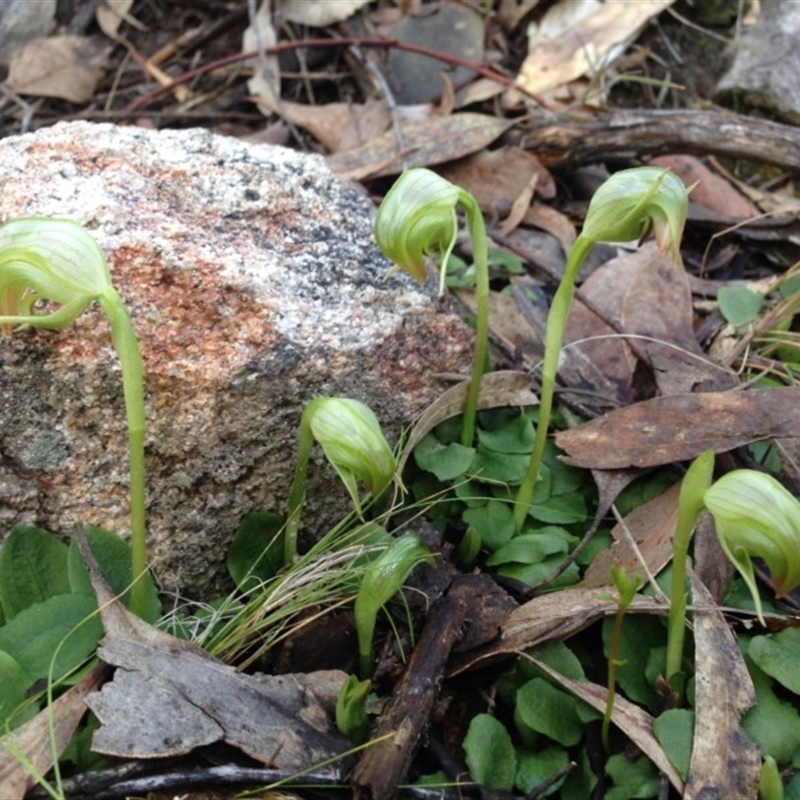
[
  {"x": 554, "y": 336},
  {"x": 297, "y": 493},
  {"x": 480, "y": 249},
  {"x": 690, "y": 505},
  {"x": 130, "y": 357}
]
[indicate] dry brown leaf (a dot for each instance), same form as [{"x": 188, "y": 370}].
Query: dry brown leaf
[
  {"x": 680, "y": 427},
  {"x": 651, "y": 526},
  {"x": 169, "y": 696},
  {"x": 67, "y": 67},
  {"x": 584, "y": 48},
  {"x": 423, "y": 144},
  {"x": 712, "y": 191},
  {"x": 502, "y": 388},
  {"x": 725, "y": 762},
  {"x": 46, "y": 735},
  {"x": 632, "y": 720},
  {"x": 340, "y": 126},
  {"x": 551, "y": 617},
  {"x": 496, "y": 178},
  {"x": 552, "y": 221}
]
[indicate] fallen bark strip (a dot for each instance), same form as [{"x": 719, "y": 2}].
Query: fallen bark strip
[
  {"x": 570, "y": 142},
  {"x": 384, "y": 765}
]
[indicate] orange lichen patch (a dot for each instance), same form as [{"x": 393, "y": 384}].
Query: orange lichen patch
[{"x": 190, "y": 325}]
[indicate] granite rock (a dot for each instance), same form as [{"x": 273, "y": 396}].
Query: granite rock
[{"x": 254, "y": 285}]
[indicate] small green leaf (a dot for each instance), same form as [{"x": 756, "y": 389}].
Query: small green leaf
[
  {"x": 632, "y": 779},
  {"x": 490, "y": 465},
  {"x": 33, "y": 567},
  {"x": 543, "y": 708},
  {"x": 446, "y": 462},
  {"x": 493, "y": 521},
  {"x": 67, "y": 623},
  {"x": 560, "y": 658},
  {"x": 674, "y": 730},
  {"x": 514, "y": 437},
  {"x": 489, "y": 753},
  {"x": 778, "y": 656},
  {"x": 15, "y": 682},
  {"x": 532, "y": 548},
  {"x": 738, "y": 304},
  {"x": 536, "y": 768},
  {"x": 256, "y": 553},
  {"x": 772, "y": 724}
]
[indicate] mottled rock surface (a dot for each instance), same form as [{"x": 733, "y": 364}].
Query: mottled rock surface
[{"x": 254, "y": 285}]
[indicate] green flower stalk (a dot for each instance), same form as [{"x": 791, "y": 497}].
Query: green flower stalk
[
  {"x": 418, "y": 217},
  {"x": 627, "y": 206},
  {"x": 382, "y": 580},
  {"x": 695, "y": 483},
  {"x": 352, "y": 440},
  {"x": 755, "y": 516},
  {"x": 57, "y": 261}
]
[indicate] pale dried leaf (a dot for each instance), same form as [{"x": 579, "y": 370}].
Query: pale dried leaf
[
  {"x": 585, "y": 48},
  {"x": 651, "y": 526},
  {"x": 48, "y": 733},
  {"x": 632, "y": 720},
  {"x": 265, "y": 85},
  {"x": 169, "y": 696},
  {"x": 551, "y": 617},
  {"x": 111, "y": 14},
  {"x": 67, "y": 67},
  {"x": 680, "y": 427},
  {"x": 319, "y": 13},
  {"x": 725, "y": 762},
  {"x": 432, "y": 141}
]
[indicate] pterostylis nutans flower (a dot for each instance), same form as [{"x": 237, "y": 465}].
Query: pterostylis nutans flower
[
  {"x": 57, "y": 263},
  {"x": 629, "y": 205},
  {"x": 382, "y": 580},
  {"x": 418, "y": 217},
  {"x": 756, "y": 517},
  {"x": 351, "y": 438}
]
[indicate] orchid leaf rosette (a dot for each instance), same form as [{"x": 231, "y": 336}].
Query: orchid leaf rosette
[
  {"x": 418, "y": 218},
  {"x": 756, "y": 517}
]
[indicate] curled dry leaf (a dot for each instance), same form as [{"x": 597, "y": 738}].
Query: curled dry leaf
[
  {"x": 680, "y": 427},
  {"x": 547, "y": 618}
]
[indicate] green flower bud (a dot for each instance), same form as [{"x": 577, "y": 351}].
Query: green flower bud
[
  {"x": 49, "y": 259},
  {"x": 382, "y": 580},
  {"x": 351, "y": 437},
  {"x": 634, "y": 201},
  {"x": 757, "y": 517},
  {"x": 418, "y": 217}
]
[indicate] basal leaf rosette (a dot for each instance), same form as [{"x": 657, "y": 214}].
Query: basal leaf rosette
[{"x": 756, "y": 517}]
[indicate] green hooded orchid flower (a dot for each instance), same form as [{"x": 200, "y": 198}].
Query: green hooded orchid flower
[
  {"x": 351, "y": 438},
  {"x": 418, "y": 218},
  {"x": 627, "y": 206},
  {"x": 57, "y": 262},
  {"x": 382, "y": 580},
  {"x": 755, "y": 516}
]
